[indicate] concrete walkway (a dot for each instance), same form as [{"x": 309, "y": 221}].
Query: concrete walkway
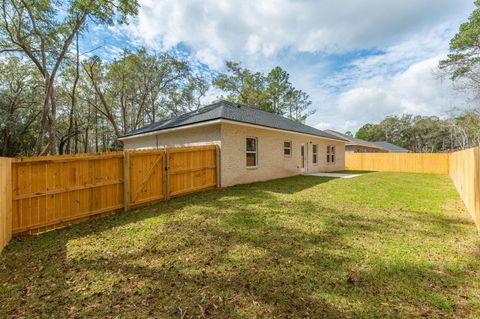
[{"x": 333, "y": 175}]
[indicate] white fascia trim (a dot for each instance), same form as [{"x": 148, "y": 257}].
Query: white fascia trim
[
  {"x": 173, "y": 129},
  {"x": 219, "y": 121}
]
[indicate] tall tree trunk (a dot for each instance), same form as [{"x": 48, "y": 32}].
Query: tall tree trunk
[
  {"x": 74, "y": 96},
  {"x": 85, "y": 146},
  {"x": 52, "y": 127},
  {"x": 44, "y": 119},
  {"x": 76, "y": 137},
  {"x": 6, "y": 142},
  {"x": 96, "y": 131}
]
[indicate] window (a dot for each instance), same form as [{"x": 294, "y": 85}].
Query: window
[
  {"x": 330, "y": 154},
  {"x": 287, "y": 149},
  {"x": 251, "y": 151},
  {"x": 315, "y": 154}
]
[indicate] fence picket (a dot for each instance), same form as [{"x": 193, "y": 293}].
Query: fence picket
[
  {"x": 398, "y": 162},
  {"x": 55, "y": 190}
]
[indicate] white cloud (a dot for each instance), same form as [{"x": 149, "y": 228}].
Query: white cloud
[
  {"x": 223, "y": 29},
  {"x": 309, "y": 37},
  {"x": 402, "y": 79},
  {"x": 417, "y": 90}
]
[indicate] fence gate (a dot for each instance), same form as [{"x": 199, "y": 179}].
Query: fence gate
[
  {"x": 159, "y": 174},
  {"x": 144, "y": 177}
]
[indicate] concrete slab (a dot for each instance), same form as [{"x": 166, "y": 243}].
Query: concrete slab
[{"x": 333, "y": 175}]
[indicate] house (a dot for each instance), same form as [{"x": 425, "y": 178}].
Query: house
[
  {"x": 391, "y": 148},
  {"x": 255, "y": 145},
  {"x": 356, "y": 145}
]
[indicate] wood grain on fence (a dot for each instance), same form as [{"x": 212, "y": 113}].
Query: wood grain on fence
[
  {"x": 192, "y": 169},
  {"x": 56, "y": 190},
  {"x": 5, "y": 201},
  {"x": 146, "y": 176},
  {"x": 465, "y": 173},
  {"x": 60, "y": 189},
  {"x": 398, "y": 162}
]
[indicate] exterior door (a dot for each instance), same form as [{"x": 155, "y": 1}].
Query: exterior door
[{"x": 304, "y": 157}]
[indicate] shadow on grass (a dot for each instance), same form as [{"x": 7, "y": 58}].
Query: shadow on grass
[{"x": 246, "y": 251}]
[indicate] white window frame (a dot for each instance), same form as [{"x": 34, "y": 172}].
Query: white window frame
[
  {"x": 287, "y": 148},
  {"x": 315, "y": 154},
  {"x": 251, "y": 152},
  {"x": 331, "y": 156}
]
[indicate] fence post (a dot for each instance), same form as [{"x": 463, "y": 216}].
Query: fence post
[
  {"x": 164, "y": 175},
  {"x": 126, "y": 181},
  {"x": 217, "y": 164},
  {"x": 476, "y": 187},
  {"x": 167, "y": 174},
  {"x": 5, "y": 201}
]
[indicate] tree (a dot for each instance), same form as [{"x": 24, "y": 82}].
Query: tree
[
  {"x": 279, "y": 90},
  {"x": 20, "y": 92},
  {"x": 141, "y": 88},
  {"x": 371, "y": 132},
  {"x": 43, "y": 31},
  {"x": 243, "y": 86},
  {"x": 426, "y": 133},
  {"x": 272, "y": 92},
  {"x": 463, "y": 62}
]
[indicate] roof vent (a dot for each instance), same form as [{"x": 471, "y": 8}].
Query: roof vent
[{"x": 239, "y": 105}]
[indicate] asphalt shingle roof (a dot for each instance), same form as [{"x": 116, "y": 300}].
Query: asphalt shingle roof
[
  {"x": 390, "y": 147},
  {"x": 352, "y": 140},
  {"x": 234, "y": 112}
]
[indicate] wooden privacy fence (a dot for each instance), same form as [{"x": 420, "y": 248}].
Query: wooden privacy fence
[
  {"x": 463, "y": 168},
  {"x": 41, "y": 193},
  {"x": 54, "y": 190},
  {"x": 398, "y": 162},
  {"x": 465, "y": 173},
  {"x": 5, "y": 202}
]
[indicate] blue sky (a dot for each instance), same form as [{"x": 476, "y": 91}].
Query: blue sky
[{"x": 359, "y": 60}]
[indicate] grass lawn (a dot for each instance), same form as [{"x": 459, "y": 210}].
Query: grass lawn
[{"x": 376, "y": 246}]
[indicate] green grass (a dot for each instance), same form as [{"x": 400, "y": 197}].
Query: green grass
[{"x": 376, "y": 246}]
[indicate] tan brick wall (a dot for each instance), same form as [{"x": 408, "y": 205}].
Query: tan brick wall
[
  {"x": 271, "y": 161},
  {"x": 231, "y": 138},
  {"x": 187, "y": 137}
]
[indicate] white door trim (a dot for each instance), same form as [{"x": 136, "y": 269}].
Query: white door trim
[{"x": 304, "y": 146}]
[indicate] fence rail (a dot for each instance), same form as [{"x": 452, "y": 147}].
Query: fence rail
[
  {"x": 48, "y": 192},
  {"x": 399, "y": 162}
]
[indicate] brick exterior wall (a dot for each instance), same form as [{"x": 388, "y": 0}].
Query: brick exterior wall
[{"x": 271, "y": 162}]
